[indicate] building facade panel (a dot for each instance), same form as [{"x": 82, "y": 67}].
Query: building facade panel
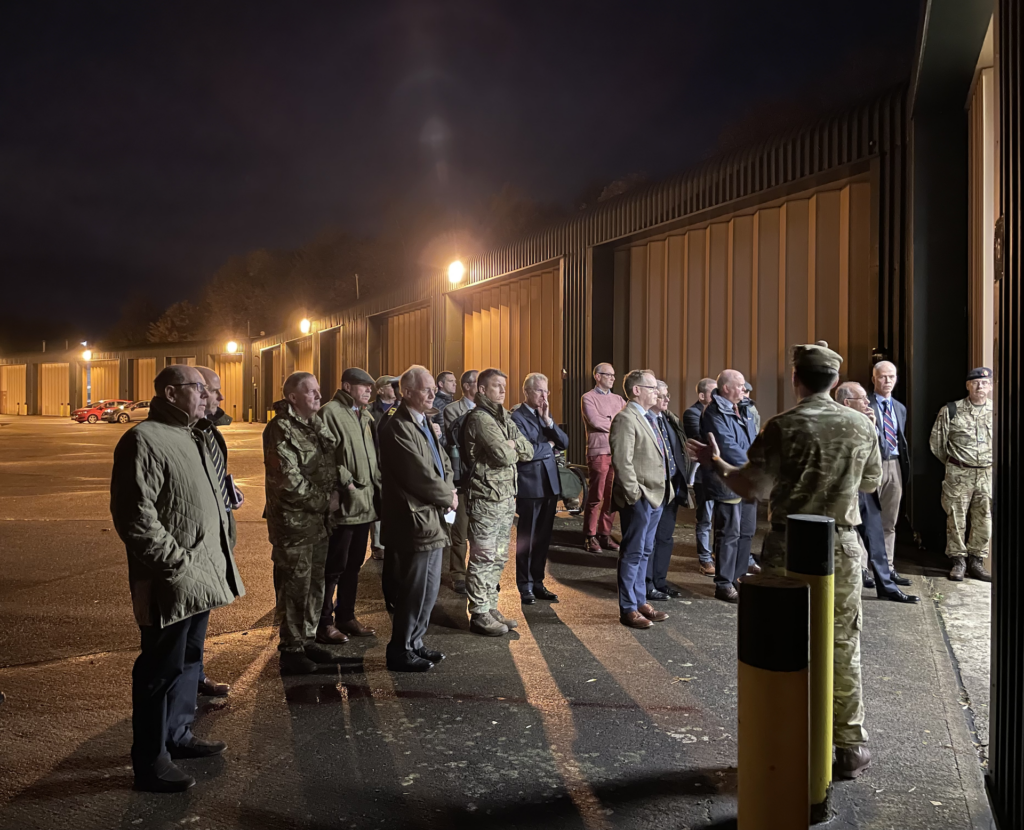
[
  {"x": 14, "y": 390},
  {"x": 101, "y": 380},
  {"x": 54, "y": 390}
]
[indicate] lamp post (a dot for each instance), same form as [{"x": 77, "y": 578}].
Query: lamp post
[{"x": 87, "y": 356}]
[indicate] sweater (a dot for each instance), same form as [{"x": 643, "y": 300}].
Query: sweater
[{"x": 598, "y": 411}]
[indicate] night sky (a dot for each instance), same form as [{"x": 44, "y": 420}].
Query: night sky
[{"x": 142, "y": 144}]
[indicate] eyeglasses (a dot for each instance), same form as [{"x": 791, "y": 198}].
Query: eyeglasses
[
  {"x": 607, "y": 374},
  {"x": 638, "y": 386},
  {"x": 199, "y": 386}
]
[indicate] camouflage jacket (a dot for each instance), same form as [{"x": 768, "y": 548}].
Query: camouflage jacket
[
  {"x": 300, "y": 476},
  {"x": 967, "y": 437},
  {"x": 492, "y": 461}
]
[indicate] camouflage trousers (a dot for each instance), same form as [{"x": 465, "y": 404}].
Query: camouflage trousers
[
  {"x": 490, "y": 527},
  {"x": 299, "y": 586},
  {"x": 847, "y": 690},
  {"x": 967, "y": 497}
]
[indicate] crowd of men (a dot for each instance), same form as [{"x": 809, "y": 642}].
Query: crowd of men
[{"x": 402, "y": 466}]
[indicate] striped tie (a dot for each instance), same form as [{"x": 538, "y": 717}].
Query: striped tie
[
  {"x": 889, "y": 426},
  {"x": 219, "y": 467}
]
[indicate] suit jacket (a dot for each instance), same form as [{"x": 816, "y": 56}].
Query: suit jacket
[
  {"x": 901, "y": 433},
  {"x": 415, "y": 495},
  {"x": 691, "y": 426},
  {"x": 734, "y": 436},
  {"x": 639, "y": 467},
  {"x": 677, "y": 444},
  {"x": 538, "y": 478}
]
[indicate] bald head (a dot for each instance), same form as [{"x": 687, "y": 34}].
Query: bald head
[
  {"x": 604, "y": 376},
  {"x": 214, "y": 396},
  {"x": 883, "y": 378},
  {"x": 184, "y": 388},
  {"x": 730, "y": 385}
]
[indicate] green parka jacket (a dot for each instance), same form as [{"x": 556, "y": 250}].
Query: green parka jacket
[
  {"x": 355, "y": 457},
  {"x": 166, "y": 506},
  {"x": 300, "y": 477},
  {"x": 487, "y": 429}
]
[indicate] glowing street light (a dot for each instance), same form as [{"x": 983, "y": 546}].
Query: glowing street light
[
  {"x": 87, "y": 355},
  {"x": 232, "y": 347},
  {"x": 456, "y": 271},
  {"x": 304, "y": 326}
]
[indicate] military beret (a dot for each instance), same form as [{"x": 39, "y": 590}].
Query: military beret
[
  {"x": 816, "y": 356},
  {"x": 747, "y": 387},
  {"x": 981, "y": 373},
  {"x": 355, "y": 375}
]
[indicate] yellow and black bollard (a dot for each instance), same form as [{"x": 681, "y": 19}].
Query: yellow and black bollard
[
  {"x": 810, "y": 557},
  {"x": 772, "y": 647}
]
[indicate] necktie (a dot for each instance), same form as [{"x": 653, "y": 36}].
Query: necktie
[
  {"x": 657, "y": 437},
  {"x": 889, "y": 426},
  {"x": 219, "y": 467},
  {"x": 669, "y": 455},
  {"x": 433, "y": 448}
]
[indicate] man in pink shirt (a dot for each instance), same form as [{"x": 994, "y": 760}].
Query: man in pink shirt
[{"x": 599, "y": 406}]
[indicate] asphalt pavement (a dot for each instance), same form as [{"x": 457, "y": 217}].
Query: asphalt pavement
[{"x": 575, "y": 721}]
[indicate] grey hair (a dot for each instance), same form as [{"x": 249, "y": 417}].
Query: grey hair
[
  {"x": 663, "y": 384},
  {"x": 532, "y": 379},
  {"x": 410, "y": 377},
  {"x": 295, "y": 380},
  {"x": 705, "y": 385},
  {"x": 845, "y": 391}
]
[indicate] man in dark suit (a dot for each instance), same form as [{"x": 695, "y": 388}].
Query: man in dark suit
[
  {"x": 417, "y": 494},
  {"x": 705, "y": 506},
  {"x": 678, "y": 471},
  {"x": 537, "y": 495},
  {"x": 891, "y": 425}
]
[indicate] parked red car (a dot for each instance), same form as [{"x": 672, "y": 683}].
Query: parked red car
[{"x": 92, "y": 413}]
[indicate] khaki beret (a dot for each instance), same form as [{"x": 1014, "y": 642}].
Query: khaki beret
[{"x": 816, "y": 356}]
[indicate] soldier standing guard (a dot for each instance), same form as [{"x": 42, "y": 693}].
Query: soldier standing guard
[
  {"x": 962, "y": 440},
  {"x": 815, "y": 458}
]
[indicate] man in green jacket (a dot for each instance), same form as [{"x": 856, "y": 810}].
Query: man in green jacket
[
  {"x": 348, "y": 419},
  {"x": 418, "y": 493},
  {"x": 455, "y": 554},
  {"x": 301, "y": 484},
  {"x": 165, "y": 500},
  {"x": 493, "y": 446}
]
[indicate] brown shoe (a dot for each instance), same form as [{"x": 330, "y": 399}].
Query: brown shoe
[
  {"x": 976, "y": 569},
  {"x": 607, "y": 542},
  {"x": 959, "y": 568},
  {"x": 330, "y": 636},
  {"x": 727, "y": 594},
  {"x": 634, "y": 619},
  {"x": 706, "y": 568},
  {"x": 754, "y": 569},
  {"x": 355, "y": 628},
  {"x": 377, "y": 553},
  {"x": 851, "y": 761},
  {"x": 210, "y": 689},
  {"x": 654, "y": 616},
  {"x": 592, "y": 545}
]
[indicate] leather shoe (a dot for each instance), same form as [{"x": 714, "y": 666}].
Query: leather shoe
[
  {"x": 649, "y": 612},
  {"x": 527, "y": 599},
  {"x": 754, "y": 569},
  {"x": 541, "y": 592},
  {"x": 958, "y": 570},
  {"x": 410, "y": 664},
  {"x": 356, "y": 629},
  {"x": 976, "y": 569},
  {"x": 459, "y": 586},
  {"x": 591, "y": 545},
  {"x": 164, "y": 777},
  {"x": 296, "y": 662},
  {"x": 656, "y": 595},
  {"x": 319, "y": 654},
  {"x": 608, "y": 543},
  {"x": 330, "y": 636},
  {"x": 432, "y": 656},
  {"x": 377, "y": 553},
  {"x": 899, "y": 596},
  {"x": 727, "y": 594},
  {"x": 673, "y": 593},
  {"x": 210, "y": 689},
  {"x": 706, "y": 568},
  {"x": 851, "y": 761},
  {"x": 634, "y": 619},
  {"x": 900, "y": 580},
  {"x": 867, "y": 579},
  {"x": 196, "y": 748}
]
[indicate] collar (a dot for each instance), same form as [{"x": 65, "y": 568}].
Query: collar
[
  {"x": 167, "y": 413},
  {"x": 469, "y": 404},
  {"x": 601, "y": 391},
  {"x": 417, "y": 417},
  {"x": 640, "y": 409},
  {"x": 530, "y": 409}
]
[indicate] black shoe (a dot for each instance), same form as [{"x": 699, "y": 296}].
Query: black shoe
[
  {"x": 656, "y": 595},
  {"x": 898, "y": 596},
  {"x": 319, "y": 654},
  {"x": 164, "y": 778},
  {"x": 296, "y": 662},
  {"x": 459, "y": 586},
  {"x": 900, "y": 580},
  {"x": 673, "y": 592},
  {"x": 527, "y": 599},
  {"x": 433, "y": 656},
  {"x": 410, "y": 664},
  {"x": 196, "y": 748},
  {"x": 869, "y": 581},
  {"x": 541, "y": 592}
]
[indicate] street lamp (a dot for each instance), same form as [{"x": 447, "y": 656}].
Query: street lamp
[
  {"x": 232, "y": 347},
  {"x": 456, "y": 271},
  {"x": 87, "y": 356},
  {"x": 304, "y": 326}
]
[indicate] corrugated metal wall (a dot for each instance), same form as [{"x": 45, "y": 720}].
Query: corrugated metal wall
[
  {"x": 105, "y": 376},
  {"x": 516, "y": 326},
  {"x": 232, "y": 383},
  {"x": 1006, "y": 762},
  {"x": 739, "y": 291},
  {"x": 13, "y": 390},
  {"x": 406, "y": 338},
  {"x": 54, "y": 389},
  {"x": 143, "y": 375}
]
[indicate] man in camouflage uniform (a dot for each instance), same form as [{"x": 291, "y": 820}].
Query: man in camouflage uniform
[
  {"x": 962, "y": 440},
  {"x": 493, "y": 446},
  {"x": 814, "y": 459},
  {"x": 302, "y": 492}
]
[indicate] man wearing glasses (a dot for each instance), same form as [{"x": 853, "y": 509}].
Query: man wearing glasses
[
  {"x": 599, "y": 406},
  {"x": 962, "y": 440}
]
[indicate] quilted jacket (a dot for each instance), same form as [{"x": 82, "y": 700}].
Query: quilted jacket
[
  {"x": 300, "y": 477},
  {"x": 166, "y": 507},
  {"x": 355, "y": 457}
]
